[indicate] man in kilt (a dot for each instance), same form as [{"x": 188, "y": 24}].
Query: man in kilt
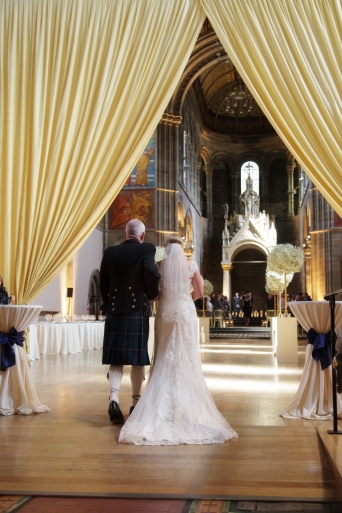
[{"x": 128, "y": 273}]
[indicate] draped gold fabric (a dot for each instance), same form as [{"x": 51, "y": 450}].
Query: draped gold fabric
[
  {"x": 83, "y": 86},
  {"x": 84, "y": 83},
  {"x": 289, "y": 54}
]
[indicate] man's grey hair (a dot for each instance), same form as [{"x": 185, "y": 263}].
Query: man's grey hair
[{"x": 135, "y": 227}]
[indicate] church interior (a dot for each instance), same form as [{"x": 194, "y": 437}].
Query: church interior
[
  {"x": 215, "y": 170},
  {"x": 211, "y": 138}
]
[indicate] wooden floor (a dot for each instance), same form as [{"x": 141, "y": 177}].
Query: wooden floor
[{"x": 73, "y": 450}]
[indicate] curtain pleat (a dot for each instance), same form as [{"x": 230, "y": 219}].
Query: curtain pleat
[
  {"x": 289, "y": 55},
  {"x": 83, "y": 85}
]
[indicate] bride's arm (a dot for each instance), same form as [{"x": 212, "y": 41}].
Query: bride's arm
[{"x": 197, "y": 285}]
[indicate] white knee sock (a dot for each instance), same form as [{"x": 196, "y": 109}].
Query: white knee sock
[
  {"x": 115, "y": 376},
  {"x": 137, "y": 377}
]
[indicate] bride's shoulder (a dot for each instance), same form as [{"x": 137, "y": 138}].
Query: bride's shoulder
[{"x": 193, "y": 267}]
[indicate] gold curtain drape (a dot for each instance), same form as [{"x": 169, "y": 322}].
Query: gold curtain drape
[
  {"x": 83, "y": 86},
  {"x": 289, "y": 54}
]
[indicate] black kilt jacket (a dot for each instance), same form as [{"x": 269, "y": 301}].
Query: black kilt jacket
[{"x": 128, "y": 272}]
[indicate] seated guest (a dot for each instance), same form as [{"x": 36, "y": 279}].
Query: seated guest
[
  {"x": 5, "y": 299},
  {"x": 218, "y": 303},
  {"x": 208, "y": 307}
]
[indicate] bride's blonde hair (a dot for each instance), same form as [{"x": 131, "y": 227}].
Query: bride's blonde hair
[{"x": 173, "y": 238}]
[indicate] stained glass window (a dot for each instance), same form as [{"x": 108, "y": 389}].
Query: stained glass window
[{"x": 252, "y": 169}]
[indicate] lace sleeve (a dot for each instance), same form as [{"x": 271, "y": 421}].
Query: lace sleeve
[{"x": 192, "y": 269}]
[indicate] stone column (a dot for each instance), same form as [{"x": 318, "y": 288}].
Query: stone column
[
  {"x": 290, "y": 191},
  {"x": 208, "y": 169},
  {"x": 226, "y": 268},
  {"x": 168, "y": 163}
]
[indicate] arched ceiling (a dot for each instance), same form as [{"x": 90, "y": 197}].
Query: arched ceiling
[{"x": 223, "y": 99}]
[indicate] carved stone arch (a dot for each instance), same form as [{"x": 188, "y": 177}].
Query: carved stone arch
[
  {"x": 205, "y": 154},
  {"x": 247, "y": 244},
  {"x": 225, "y": 157},
  {"x": 272, "y": 156},
  {"x": 251, "y": 156},
  {"x": 94, "y": 294}
]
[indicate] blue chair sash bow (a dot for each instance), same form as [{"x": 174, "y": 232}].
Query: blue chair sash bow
[
  {"x": 7, "y": 340},
  {"x": 321, "y": 347}
]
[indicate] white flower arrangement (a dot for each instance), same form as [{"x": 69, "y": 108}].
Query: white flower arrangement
[
  {"x": 269, "y": 290},
  {"x": 275, "y": 281},
  {"x": 160, "y": 254},
  {"x": 207, "y": 287},
  {"x": 275, "y": 284},
  {"x": 285, "y": 258}
]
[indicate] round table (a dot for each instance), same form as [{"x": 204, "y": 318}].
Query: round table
[
  {"x": 313, "y": 399},
  {"x": 17, "y": 391},
  {"x": 65, "y": 338},
  {"x": 61, "y": 337}
]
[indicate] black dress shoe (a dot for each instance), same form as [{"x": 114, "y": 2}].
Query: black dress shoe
[
  {"x": 131, "y": 409},
  {"x": 115, "y": 413}
]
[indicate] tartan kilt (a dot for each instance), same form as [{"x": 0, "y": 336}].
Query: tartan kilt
[{"x": 125, "y": 339}]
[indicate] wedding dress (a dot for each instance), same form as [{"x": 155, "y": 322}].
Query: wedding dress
[{"x": 176, "y": 407}]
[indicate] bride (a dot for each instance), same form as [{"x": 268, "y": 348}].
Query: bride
[{"x": 176, "y": 407}]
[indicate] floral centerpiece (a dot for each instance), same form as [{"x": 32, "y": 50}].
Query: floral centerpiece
[
  {"x": 207, "y": 287},
  {"x": 285, "y": 259}
]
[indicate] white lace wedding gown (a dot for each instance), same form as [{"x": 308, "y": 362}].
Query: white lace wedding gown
[{"x": 176, "y": 407}]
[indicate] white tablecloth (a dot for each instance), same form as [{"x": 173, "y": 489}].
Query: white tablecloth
[
  {"x": 65, "y": 338},
  {"x": 91, "y": 334},
  {"x": 17, "y": 391},
  {"x": 313, "y": 399}
]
